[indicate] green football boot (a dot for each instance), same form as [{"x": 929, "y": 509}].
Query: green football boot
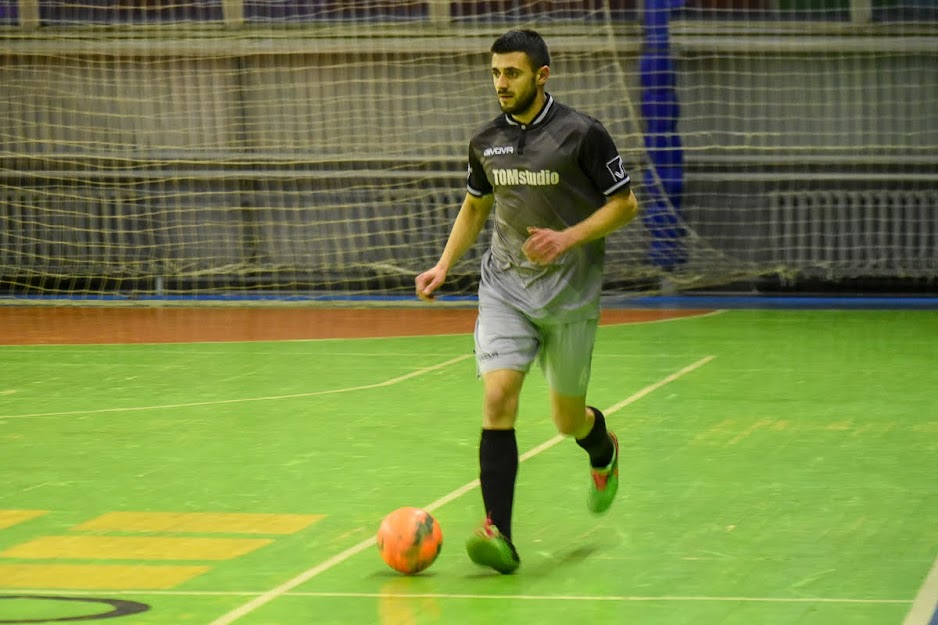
[
  {"x": 487, "y": 547},
  {"x": 604, "y": 482}
]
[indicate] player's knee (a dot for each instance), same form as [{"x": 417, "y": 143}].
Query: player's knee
[
  {"x": 501, "y": 401},
  {"x": 500, "y": 410},
  {"x": 502, "y": 388}
]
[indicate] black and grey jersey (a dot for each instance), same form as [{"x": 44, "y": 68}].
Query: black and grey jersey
[{"x": 551, "y": 173}]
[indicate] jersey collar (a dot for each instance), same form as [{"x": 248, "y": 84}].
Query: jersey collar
[{"x": 539, "y": 118}]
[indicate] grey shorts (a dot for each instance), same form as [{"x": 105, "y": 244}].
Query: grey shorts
[{"x": 506, "y": 338}]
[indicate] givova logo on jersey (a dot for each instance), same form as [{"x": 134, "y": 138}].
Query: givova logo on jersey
[
  {"x": 513, "y": 177},
  {"x": 497, "y": 150}
]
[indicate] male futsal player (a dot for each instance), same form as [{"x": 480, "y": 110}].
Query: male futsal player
[{"x": 558, "y": 185}]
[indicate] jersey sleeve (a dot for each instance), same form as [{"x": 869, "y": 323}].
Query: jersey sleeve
[
  {"x": 600, "y": 160},
  {"x": 477, "y": 183}
]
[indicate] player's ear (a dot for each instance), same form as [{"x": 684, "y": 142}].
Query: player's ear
[{"x": 542, "y": 75}]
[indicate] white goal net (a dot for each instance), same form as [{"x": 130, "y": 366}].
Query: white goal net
[{"x": 291, "y": 147}]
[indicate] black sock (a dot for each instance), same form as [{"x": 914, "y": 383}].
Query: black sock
[
  {"x": 498, "y": 464},
  {"x": 597, "y": 443}
]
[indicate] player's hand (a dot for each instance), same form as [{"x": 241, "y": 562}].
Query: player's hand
[
  {"x": 545, "y": 245},
  {"x": 428, "y": 282}
]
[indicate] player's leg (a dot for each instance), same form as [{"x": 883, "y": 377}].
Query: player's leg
[
  {"x": 490, "y": 545},
  {"x": 506, "y": 344},
  {"x": 498, "y": 446},
  {"x": 566, "y": 358}
]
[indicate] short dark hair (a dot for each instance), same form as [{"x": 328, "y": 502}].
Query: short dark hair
[{"x": 526, "y": 41}]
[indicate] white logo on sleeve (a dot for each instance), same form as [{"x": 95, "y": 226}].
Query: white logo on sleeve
[{"x": 616, "y": 168}]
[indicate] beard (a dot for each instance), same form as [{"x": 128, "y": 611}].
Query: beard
[{"x": 521, "y": 104}]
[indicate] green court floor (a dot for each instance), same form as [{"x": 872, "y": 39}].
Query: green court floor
[{"x": 778, "y": 467}]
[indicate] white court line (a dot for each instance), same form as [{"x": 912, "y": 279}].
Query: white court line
[
  {"x": 309, "y": 574},
  {"x": 219, "y": 402},
  {"x": 396, "y": 595},
  {"x": 925, "y": 608},
  {"x": 712, "y": 313},
  {"x": 621, "y": 598}
]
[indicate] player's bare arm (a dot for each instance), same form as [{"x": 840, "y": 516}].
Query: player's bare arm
[
  {"x": 469, "y": 223},
  {"x": 545, "y": 245}
]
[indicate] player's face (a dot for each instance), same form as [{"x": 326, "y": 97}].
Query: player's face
[{"x": 516, "y": 82}]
